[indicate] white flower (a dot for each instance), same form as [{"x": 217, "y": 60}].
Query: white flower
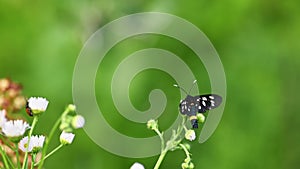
[
  {"x": 2, "y": 118},
  {"x": 78, "y": 121},
  {"x": 66, "y": 138},
  {"x": 15, "y": 128},
  {"x": 190, "y": 135},
  {"x": 37, "y": 104},
  {"x": 24, "y": 145},
  {"x": 35, "y": 144},
  {"x": 137, "y": 166}
]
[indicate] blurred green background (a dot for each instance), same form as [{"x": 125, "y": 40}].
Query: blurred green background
[{"x": 258, "y": 43}]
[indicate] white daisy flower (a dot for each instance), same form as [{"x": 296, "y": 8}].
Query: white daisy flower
[
  {"x": 190, "y": 135},
  {"x": 24, "y": 145},
  {"x": 2, "y": 118},
  {"x": 137, "y": 166},
  {"x": 37, "y": 104},
  {"x": 35, "y": 143},
  {"x": 66, "y": 138},
  {"x": 15, "y": 128},
  {"x": 78, "y": 121}
]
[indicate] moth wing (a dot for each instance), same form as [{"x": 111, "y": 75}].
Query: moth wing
[
  {"x": 207, "y": 102},
  {"x": 183, "y": 107}
]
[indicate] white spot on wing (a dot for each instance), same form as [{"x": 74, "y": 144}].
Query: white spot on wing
[
  {"x": 211, "y": 97},
  {"x": 204, "y": 98},
  {"x": 203, "y": 103}
]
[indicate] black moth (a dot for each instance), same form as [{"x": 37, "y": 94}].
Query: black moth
[{"x": 192, "y": 105}]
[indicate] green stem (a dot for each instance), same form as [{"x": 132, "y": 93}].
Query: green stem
[
  {"x": 51, "y": 135},
  {"x": 164, "y": 149},
  {"x": 167, "y": 148},
  {"x": 161, "y": 139},
  {"x": 17, "y": 155},
  {"x": 35, "y": 120},
  {"x": 6, "y": 142},
  {"x": 187, "y": 153},
  {"x": 33, "y": 160},
  {"x": 160, "y": 159},
  {"x": 185, "y": 129},
  {"x": 4, "y": 158},
  {"x": 9, "y": 161},
  {"x": 48, "y": 155}
]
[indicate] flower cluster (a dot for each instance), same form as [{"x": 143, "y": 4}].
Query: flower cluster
[
  {"x": 11, "y": 98},
  {"x": 15, "y": 136},
  {"x": 34, "y": 144},
  {"x": 71, "y": 122},
  {"x": 175, "y": 142}
]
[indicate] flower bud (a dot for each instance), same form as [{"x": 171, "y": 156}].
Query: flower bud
[
  {"x": 184, "y": 165},
  {"x": 65, "y": 124},
  {"x": 152, "y": 124},
  {"x": 187, "y": 146},
  {"x": 71, "y": 107},
  {"x": 200, "y": 117},
  {"x": 191, "y": 165},
  {"x": 190, "y": 135},
  {"x": 78, "y": 121},
  {"x": 66, "y": 138}
]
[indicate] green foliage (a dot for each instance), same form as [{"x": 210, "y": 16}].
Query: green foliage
[{"x": 258, "y": 43}]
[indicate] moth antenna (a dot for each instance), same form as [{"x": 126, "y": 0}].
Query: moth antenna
[
  {"x": 193, "y": 85},
  {"x": 175, "y": 85}
]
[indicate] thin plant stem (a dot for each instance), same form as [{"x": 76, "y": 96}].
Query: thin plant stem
[
  {"x": 187, "y": 153},
  {"x": 17, "y": 155},
  {"x": 160, "y": 159},
  {"x": 6, "y": 142},
  {"x": 9, "y": 161},
  {"x": 163, "y": 149},
  {"x": 185, "y": 129},
  {"x": 48, "y": 155},
  {"x": 161, "y": 139},
  {"x": 4, "y": 158},
  {"x": 35, "y": 120},
  {"x": 175, "y": 137},
  {"x": 33, "y": 160},
  {"x": 55, "y": 126}
]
